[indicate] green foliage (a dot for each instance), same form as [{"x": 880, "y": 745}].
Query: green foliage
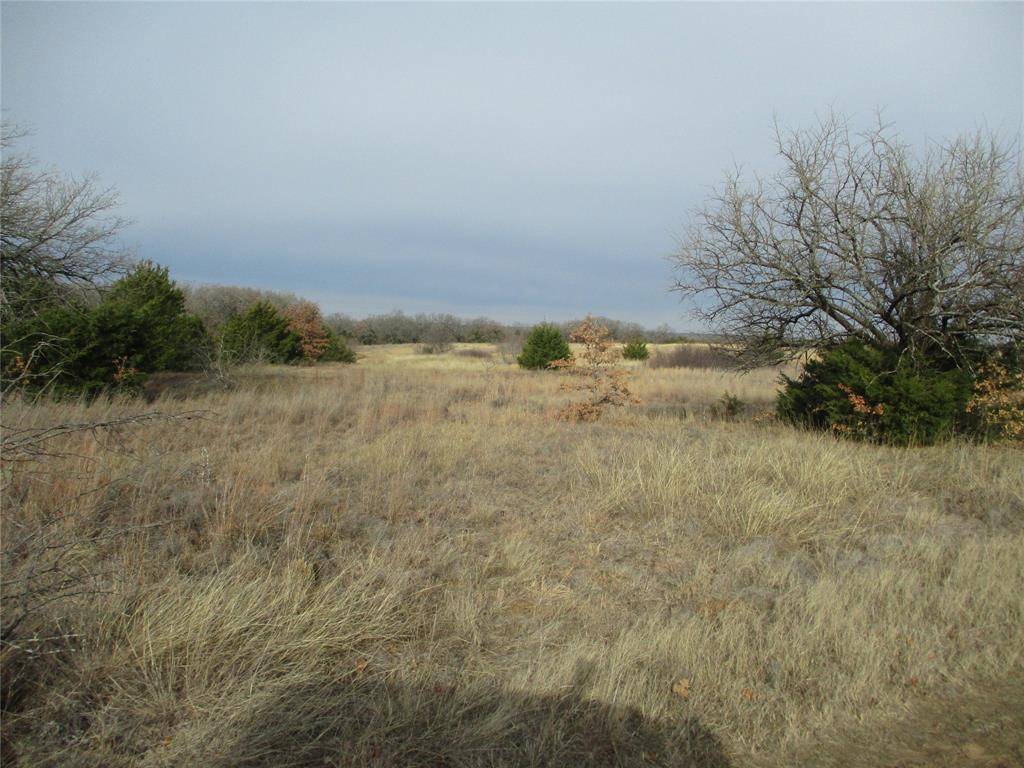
[
  {"x": 166, "y": 336},
  {"x": 261, "y": 334},
  {"x": 544, "y": 345},
  {"x": 636, "y": 350},
  {"x": 729, "y": 407},
  {"x": 873, "y": 394},
  {"x": 367, "y": 334},
  {"x": 139, "y": 326},
  {"x": 337, "y": 351}
]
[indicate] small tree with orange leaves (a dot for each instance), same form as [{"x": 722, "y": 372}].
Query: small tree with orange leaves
[
  {"x": 596, "y": 375},
  {"x": 305, "y": 321},
  {"x": 998, "y": 401}
]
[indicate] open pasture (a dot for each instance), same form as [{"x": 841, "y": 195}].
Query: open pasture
[{"x": 410, "y": 562}]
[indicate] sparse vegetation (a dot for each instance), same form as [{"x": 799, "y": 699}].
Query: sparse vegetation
[
  {"x": 408, "y": 562},
  {"x": 411, "y": 563}
]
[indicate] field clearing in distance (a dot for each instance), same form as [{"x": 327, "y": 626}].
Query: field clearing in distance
[{"x": 410, "y": 562}]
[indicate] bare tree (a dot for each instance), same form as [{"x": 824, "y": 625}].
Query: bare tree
[
  {"x": 57, "y": 240},
  {"x": 440, "y": 333},
  {"x": 216, "y": 304},
  {"x": 56, "y": 231},
  {"x": 858, "y": 236}
]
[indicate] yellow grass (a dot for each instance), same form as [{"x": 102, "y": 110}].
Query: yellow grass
[{"x": 409, "y": 562}]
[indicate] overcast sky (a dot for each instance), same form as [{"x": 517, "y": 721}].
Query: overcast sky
[{"x": 522, "y": 161}]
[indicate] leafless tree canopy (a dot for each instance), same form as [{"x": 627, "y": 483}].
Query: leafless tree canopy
[
  {"x": 859, "y": 237},
  {"x": 216, "y": 304},
  {"x": 55, "y": 230}
]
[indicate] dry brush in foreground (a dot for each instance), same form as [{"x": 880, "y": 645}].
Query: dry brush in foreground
[{"x": 411, "y": 562}]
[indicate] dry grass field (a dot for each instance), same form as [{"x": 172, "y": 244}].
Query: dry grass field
[{"x": 409, "y": 562}]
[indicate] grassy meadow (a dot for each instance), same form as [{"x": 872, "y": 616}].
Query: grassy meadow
[{"x": 410, "y": 562}]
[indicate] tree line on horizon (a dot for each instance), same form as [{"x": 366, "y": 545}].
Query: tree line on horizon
[{"x": 214, "y": 303}]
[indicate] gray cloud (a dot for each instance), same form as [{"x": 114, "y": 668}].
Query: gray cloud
[{"x": 514, "y": 160}]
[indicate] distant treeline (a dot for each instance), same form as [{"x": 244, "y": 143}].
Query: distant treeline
[
  {"x": 400, "y": 328},
  {"x": 215, "y": 304}
]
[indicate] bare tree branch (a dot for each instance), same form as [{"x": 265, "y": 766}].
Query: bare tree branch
[
  {"x": 857, "y": 236},
  {"x": 56, "y": 231}
]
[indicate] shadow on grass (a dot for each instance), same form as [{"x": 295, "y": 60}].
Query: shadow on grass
[{"x": 390, "y": 725}]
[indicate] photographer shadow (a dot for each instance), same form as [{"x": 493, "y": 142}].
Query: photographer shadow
[{"x": 387, "y": 724}]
